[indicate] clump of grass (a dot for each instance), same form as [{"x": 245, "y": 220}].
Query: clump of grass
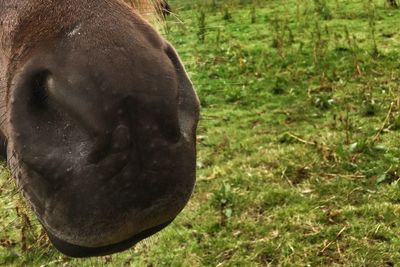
[
  {"x": 227, "y": 14},
  {"x": 280, "y": 86},
  {"x": 322, "y": 9},
  {"x": 393, "y": 4},
  {"x": 282, "y": 35},
  {"x": 371, "y": 10},
  {"x": 253, "y": 15},
  {"x": 369, "y": 108},
  {"x": 202, "y": 27},
  {"x": 396, "y": 123}
]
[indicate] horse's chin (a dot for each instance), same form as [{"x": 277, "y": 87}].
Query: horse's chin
[{"x": 78, "y": 251}]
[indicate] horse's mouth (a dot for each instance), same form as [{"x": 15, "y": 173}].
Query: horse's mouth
[{"x": 77, "y": 251}]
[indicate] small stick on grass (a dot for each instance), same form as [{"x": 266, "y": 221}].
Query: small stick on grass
[
  {"x": 333, "y": 241},
  {"x": 378, "y": 134},
  {"x": 302, "y": 140}
]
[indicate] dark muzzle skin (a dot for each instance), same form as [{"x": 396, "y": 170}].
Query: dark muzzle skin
[{"x": 100, "y": 127}]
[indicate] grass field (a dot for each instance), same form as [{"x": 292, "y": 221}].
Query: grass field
[{"x": 298, "y": 145}]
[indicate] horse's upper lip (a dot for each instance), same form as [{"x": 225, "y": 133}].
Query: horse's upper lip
[
  {"x": 111, "y": 166},
  {"x": 81, "y": 251}
]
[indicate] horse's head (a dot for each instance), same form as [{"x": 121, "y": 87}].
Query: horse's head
[{"x": 99, "y": 119}]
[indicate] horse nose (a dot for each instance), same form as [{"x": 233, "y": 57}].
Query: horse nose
[{"x": 107, "y": 120}]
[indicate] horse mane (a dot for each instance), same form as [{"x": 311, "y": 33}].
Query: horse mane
[{"x": 147, "y": 8}]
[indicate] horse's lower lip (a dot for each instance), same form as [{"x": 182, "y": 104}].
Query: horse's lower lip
[{"x": 82, "y": 252}]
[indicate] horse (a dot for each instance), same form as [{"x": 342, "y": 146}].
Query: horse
[{"x": 98, "y": 121}]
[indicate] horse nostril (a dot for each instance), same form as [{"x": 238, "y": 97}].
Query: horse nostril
[{"x": 39, "y": 88}]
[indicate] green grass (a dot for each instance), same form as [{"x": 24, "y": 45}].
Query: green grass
[{"x": 298, "y": 145}]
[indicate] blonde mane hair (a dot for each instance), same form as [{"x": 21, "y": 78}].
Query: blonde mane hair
[{"x": 147, "y": 8}]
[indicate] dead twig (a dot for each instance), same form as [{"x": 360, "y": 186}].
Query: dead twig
[
  {"x": 302, "y": 140},
  {"x": 333, "y": 175},
  {"x": 333, "y": 241},
  {"x": 382, "y": 128}
]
